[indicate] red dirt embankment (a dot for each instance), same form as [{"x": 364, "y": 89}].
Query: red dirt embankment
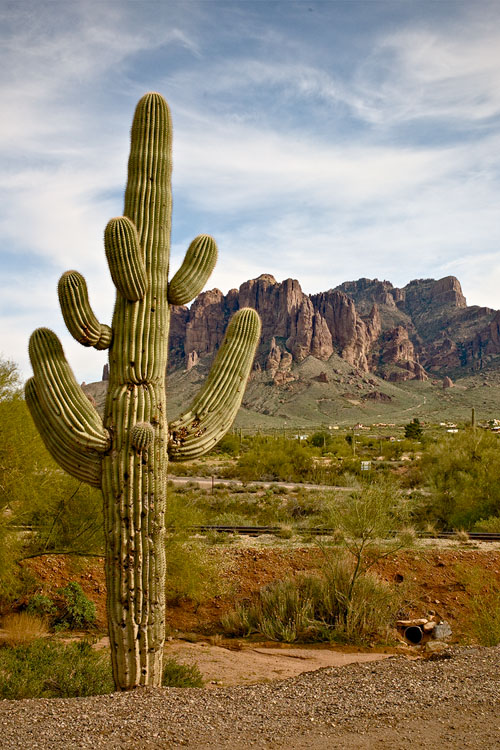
[{"x": 432, "y": 576}]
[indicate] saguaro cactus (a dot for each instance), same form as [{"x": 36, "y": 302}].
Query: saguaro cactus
[{"x": 126, "y": 453}]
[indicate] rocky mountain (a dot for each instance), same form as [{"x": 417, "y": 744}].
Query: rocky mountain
[{"x": 422, "y": 330}]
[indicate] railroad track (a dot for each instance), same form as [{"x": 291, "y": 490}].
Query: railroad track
[{"x": 478, "y": 536}]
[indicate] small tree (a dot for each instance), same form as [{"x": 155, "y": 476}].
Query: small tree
[
  {"x": 413, "y": 430},
  {"x": 372, "y": 523}
]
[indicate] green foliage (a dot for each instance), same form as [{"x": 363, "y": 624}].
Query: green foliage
[
  {"x": 69, "y": 517},
  {"x": 462, "y": 473},
  {"x": 413, "y": 430},
  {"x": 34, "y": 492},
  {"x": 484, "y": 591},
  {"x": 230, "y": 445},
  {"x": 372, "y": 522},
  {"x": 181, "y": 675},
  {"x": 489, "y": 525},
  {"x": 48, "y": 669},
  {"x": 42, "y": 605},
  {"x": 319, "y": 608},
  {"x": 10, "y": 382},
  {"x": 275, "y": 459},
  {"x": 191, "y": 572},
  {"x": 77, "y": 611}
]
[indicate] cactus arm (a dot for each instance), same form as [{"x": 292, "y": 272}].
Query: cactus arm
[
  {"x": 198, "y": 264},
  {"x": 196, "y": 431},
  {"x": 77, "y": 313},
  {"x": 85, "y": 466},
  {"x": 125, "y": 258},
  {"x": 77, "y": 422}
]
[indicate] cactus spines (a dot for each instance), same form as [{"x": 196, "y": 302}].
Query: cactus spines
[
  {"x": 124, "y": 257},
  {"x": 198, "y": 264},
  {"x": 214, "y": 409},
  {"x": 84, "y": 465},
  {"x": 142, "y": 435},
  {"x": 126, "y": 453},
  {"x": 61, "y": 398},
  {"x": 77, "y": 313}
]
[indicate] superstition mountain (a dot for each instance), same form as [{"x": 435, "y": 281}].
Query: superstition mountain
[
  {"x": 423, "y": 329},
  {"x": 365, "y": 351}
]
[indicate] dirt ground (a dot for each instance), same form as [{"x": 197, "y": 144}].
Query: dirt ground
[{"x": 430, "y": 574}]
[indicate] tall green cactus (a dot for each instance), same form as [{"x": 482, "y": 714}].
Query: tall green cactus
[{"x": 126, "y": 454}]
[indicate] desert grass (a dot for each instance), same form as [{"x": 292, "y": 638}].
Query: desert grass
[{"x": 22, "y": 628}]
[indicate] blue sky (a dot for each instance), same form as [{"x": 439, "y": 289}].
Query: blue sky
[{"x": 322, "y": 141}]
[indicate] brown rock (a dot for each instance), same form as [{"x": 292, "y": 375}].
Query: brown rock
[
  {"x": 207, "y": 323},
  {"x": 282, "y": 378},
  {"x": 447, "y": 382},
  {"x": 274, "y": 357},
  {"x": 378, "y": 396},
  {"x": 192, "y": 360}
]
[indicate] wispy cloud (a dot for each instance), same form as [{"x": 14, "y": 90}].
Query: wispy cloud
[{"x": 320, "y": 145}]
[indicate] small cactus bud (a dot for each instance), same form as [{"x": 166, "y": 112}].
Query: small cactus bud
[{"x": 142, "y": 435}]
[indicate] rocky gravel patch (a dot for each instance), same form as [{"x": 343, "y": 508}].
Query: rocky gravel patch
[{"x": 451, "y": 700}]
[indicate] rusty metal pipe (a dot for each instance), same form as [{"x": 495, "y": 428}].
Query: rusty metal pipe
[{"x": 413, "y": 634}]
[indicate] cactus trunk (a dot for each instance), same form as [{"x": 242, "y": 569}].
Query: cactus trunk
[
  {"x": 127, "y": 453},
  {"x": 134, "y": 480}
]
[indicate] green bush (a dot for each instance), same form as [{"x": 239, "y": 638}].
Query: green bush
[
  {"x": 192, "y": 572},
  {"x": 484, "y": 614},
  {"x": 275, "y": 459},
  {"x": 181, "y": 675},
  {"x": 413, "y": 429},
  {"x": 42, "y": 605},
  {"x": 489, "y": 525},
  {"x": 76, "y": 611},
  {"x": 462, "y": 475},
  {"x": 48, "y": 669},
  {"x": 230, "y": 445},
  {"x": 319, "y": 608}
]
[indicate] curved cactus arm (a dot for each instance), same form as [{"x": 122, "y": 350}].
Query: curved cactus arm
[
  {"x": 196, "y": 431},
  {"x": 77, "y": 313},
  {"x": 125, "y": 258},
  {"x": 74, "y": 418},
  {"x": 84, "y": 466},
  {"x": 198, "y": 264}
]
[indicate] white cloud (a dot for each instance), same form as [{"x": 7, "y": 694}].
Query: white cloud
[{"x": 279, "y": 192}]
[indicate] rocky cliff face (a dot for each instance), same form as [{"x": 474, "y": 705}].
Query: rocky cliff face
[{"x": 400, "y": 334}]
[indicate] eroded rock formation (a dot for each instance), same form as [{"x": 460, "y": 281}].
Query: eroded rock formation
[{"x": 400, "y": 334}]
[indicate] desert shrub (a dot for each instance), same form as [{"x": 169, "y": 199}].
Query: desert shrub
[
  {"x": 181, "y": 675},
  {"x": 413, "y": 429},
  {"x": 275, "y": 459},
  {"x": 49, "y": 669},
  {"x": 462, "y": 473},
  {"x": 489, "y": 525},
  {"x": 192, "y": 573},
  {"x": 230, "y": 445},
  {"x": 346, "y": 602},
  {"x": 372, "y": 522},
  {"x": 484, "y": 604},
  {"x": 23, "y": 627},
  {"x": 15, "y": 581},
  {"x": 69, "y": 517},
  {"x": 319, "y": 608},
  {"x": 42, "y": 606},
  {"x": 76, "y": 611}
]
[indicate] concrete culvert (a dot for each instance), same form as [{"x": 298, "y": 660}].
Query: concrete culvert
[{"x": 413, "y": 634}]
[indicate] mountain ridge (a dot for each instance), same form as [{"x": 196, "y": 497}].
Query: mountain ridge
[
  {"x": 407, "y": 333},
  {"x": 365, "y": 351}
]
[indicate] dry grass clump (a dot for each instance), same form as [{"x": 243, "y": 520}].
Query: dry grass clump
[{"x": 21, "y": 628}]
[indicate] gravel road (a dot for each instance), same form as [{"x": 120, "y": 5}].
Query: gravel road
[{"x": 449, "y": 702}]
